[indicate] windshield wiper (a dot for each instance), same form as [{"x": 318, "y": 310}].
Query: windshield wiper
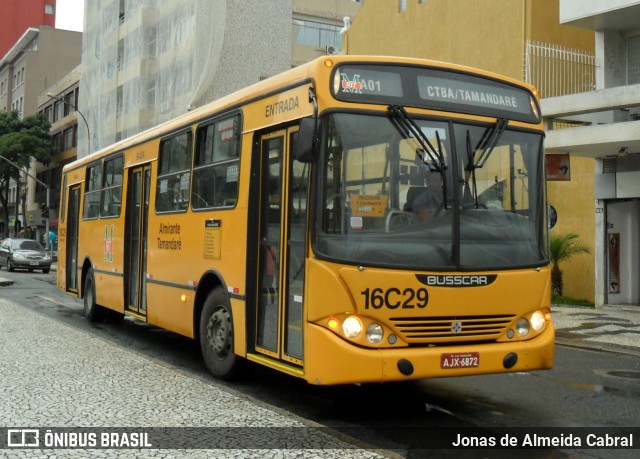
[
  {"x": 487, "y": 143},
  {"x": 408, "y": 128}
]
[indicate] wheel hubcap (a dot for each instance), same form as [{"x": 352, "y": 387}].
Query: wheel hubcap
[
  {"x": 219, "y": 332},
  {"x": 88, "y": 300}
]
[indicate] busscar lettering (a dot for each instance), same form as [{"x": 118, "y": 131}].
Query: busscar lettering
[
  {"x": 456, "y": 280},
  {"x": 171, "y": 238},
  {"x": 282, "y": 106}
]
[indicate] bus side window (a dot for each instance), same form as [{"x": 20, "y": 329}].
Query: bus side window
[
  {"x": 112, "y": 187},
  {"x": 93, "y": 184},
  {"x": 216, "y": 164},
  {"x": 174, "y": 173}
]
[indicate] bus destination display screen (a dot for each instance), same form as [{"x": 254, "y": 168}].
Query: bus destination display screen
[
  {"x": 439, "y": 89},
  {"x": 460, "y": 91},
  {"x": 366, "y": 81}
]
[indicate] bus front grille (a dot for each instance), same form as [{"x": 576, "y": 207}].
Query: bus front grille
[{"x": 424, "y": 330}]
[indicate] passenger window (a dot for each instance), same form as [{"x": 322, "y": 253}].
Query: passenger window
[
  {"x": 93, "y": 182},
  {"x": 174, "y": 173},
  {"x": 217, "y": 164},
  {"x": 112, "y": 187}
]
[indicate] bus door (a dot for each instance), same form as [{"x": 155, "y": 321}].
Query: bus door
[
  {"x": 282, "y": 248},
  {"x": 135, "y": 240},
  {"x": 71, "y": 253}
]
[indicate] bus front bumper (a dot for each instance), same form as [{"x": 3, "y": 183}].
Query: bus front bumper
[{"x": 331, "y": 360}]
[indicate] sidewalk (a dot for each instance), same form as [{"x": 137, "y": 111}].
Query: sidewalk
[
  {"x": 56, "y": 376},
  {"x": 612, "y": 328}
]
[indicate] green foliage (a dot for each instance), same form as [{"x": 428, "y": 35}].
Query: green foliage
[
  {"x": 566, "y": 300},
  {"x": 562, "y": 248},
  {"x": 21, "y": 141}
]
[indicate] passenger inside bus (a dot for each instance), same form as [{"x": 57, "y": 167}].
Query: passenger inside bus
[{"x": 425, "y": 201}]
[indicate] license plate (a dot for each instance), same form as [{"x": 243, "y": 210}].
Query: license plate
[
  {"x": 34, "y": 263},
  {"x": 460, "y": 360}
]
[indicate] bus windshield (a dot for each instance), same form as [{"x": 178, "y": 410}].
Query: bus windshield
[{"x": 423, "y": 194}]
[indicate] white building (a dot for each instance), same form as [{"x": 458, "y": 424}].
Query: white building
[
  {"x": 147, "y": 61},
  {"x": 605, "y": 125}
]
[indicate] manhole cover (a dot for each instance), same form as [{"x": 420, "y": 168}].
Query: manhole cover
[{"x": 631, "y": 374}]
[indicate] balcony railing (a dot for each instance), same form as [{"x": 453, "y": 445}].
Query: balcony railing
[{"x": 556, "y": 70}]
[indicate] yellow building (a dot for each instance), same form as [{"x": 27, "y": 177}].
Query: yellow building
[{"x": 501, "y": 36}]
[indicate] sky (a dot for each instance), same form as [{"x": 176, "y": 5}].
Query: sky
[{"x": 69, "y": 14}]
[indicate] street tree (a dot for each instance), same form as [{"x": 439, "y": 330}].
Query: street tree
[
  {"x": 21, "y": 141},
  {"x": 563, "y": 247}
]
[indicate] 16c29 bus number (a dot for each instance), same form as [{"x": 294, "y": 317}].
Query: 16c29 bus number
[{"x": 394, "y": 298}]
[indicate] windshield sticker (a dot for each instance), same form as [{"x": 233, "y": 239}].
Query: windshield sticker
[
  {"x": 356, "y": 223},
  {"x": 369, "y": 205}
]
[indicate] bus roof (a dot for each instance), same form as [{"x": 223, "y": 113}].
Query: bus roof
[{"x": 307, "y": 72}]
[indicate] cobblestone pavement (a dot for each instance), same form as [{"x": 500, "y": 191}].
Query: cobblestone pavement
[
  {"x": 53, "y": 375},
  {"x": 615, "y": 328}
]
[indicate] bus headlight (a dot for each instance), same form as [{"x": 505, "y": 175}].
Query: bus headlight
[
  {"x": 351, "y": 327},
  {"x": 537, "y": 321},
  {"x": 375, "y": 333},
  {"x": 522, "y": 327}
]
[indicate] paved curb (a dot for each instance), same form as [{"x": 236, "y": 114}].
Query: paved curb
[{"x": 4, "y": 282}]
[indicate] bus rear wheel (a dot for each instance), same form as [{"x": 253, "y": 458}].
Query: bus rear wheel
[
  {"x": 92, "y": 311},
  {"x": 216, "y": 336}
]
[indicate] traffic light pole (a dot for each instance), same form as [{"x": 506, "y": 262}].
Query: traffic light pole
[{"x": 46, "y": 229}]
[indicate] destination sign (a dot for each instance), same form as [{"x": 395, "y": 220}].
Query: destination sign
[
  {"x": 439, "y": 89},
  {"x": 453, "y": 90},
  {"x": 365, "y": 80}
]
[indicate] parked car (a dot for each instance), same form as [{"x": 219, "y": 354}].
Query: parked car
[{"x": 24, "y": 254}]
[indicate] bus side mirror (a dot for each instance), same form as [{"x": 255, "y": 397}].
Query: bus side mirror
[
  {"x": 553, "y": 216},
  {"x": 308, "y": 140}
]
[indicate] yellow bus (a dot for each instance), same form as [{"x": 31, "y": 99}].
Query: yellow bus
[{"x": 354, "y": 219}]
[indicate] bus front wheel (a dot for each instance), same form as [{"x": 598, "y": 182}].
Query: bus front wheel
[
  {"x": 216, "y": 336},
  {"x": 92, "y": 311}
]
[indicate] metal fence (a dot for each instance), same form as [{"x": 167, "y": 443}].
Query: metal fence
[{"x": 556, "y": 70}]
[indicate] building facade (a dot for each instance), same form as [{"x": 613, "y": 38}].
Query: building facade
[
  {"x": 57, "y": 103},
  {"x": 38, "y": 59},
  {"x": 604, "y": 124},
  {"x": 20, "y": 15},
  {"x": 500, "y": 36},
  {"x": 147, "y": 61}
]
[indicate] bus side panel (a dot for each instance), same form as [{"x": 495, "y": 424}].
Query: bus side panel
[
  {"x": 109, "y": 291},
  {"x": 182, "y": 247}
]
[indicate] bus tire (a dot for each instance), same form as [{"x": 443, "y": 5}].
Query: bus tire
[
  {"x": 216, "y": 336},
  {"x": 92, "y": 311}
]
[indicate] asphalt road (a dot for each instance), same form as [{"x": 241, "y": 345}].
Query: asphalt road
[{"x": 585, "y": 389}]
